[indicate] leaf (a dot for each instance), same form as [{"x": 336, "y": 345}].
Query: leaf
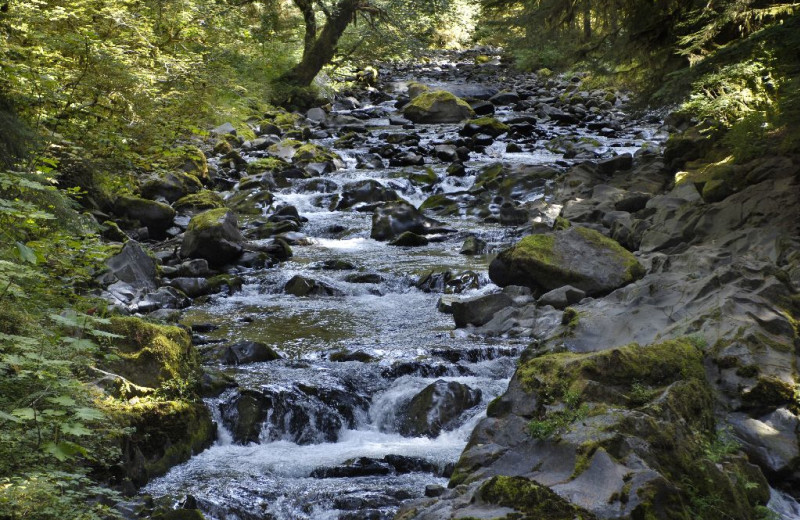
[
  {"x": 64, "y": 450},
  {"x": 25, "y": 414},
  {"x": 89, "y": 414},
  {"x": 8, "y": 417},
  {"x": 75, "y": 429},
  {"x": 26, "y": 254},
  {"x": 63, "y": 400}
]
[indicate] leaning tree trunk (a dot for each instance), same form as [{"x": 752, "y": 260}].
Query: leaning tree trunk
[
  {"x": 324, "y": 48},
  {"x": 310, "y": 20},
  {"x": 587, "y": 20}
]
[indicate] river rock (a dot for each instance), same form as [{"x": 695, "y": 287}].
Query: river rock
[
  {"x": 134, "y": 266},
  {"x": 562, "y": 297},
  {"x": 244, "y": 352},
  {"x": 409, "y": 239},
  {"x": 437, "y": 408},
  {"x": 155, "y": 215},
  {"x": 243, "y": 415},
  {"x": 578, "y": 256},
  {"x": 365, "y": 191},
  {"x": 302, "y": 286},
  {"x": 480, "y": 309},
  {"x": 473, "y": 246},
  {"x": 213, "y": 235},
  {"x": 170, "y": 186},
  {"x": 394, "y": 218},
  {"x": 437, "y": 106}
]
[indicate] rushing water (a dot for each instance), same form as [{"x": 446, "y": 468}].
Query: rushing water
[{"x": 390, "y": 320}]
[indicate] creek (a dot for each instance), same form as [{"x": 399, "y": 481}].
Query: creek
[{"x": 331, "y": 445}]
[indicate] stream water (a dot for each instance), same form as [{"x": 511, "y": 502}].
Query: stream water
[{"x": 335, "y": 412}]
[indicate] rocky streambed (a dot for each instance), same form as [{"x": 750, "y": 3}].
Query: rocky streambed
[{"x": 400, "y": 313}]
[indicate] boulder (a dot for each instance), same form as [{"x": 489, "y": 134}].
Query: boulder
[
  {"x": 365, "y": 191},
  {"x": 562, "y": 297},
  {"x": 301, "y": 286},
  {"x": 394, "y": 218},
  {"x": 155, "y": 215},
  {"x": 170, "y": 186},
  {"x": 437, "y": 408},
  {"x": 134, "y": 266},
  {"x": 437, "y": 106},
  {"x": 409, "y": 239},
  {"x": 480, "y": 309},
  {"x": 580, "y": 257},
  {"x": 213, "y": 235},
  {"x": 247, "y": 352}
]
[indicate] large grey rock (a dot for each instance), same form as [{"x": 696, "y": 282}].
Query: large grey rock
[
  {"x": 170, "y": 186},
  {"x": 213, "y": 235},
  {"x": 480, "y": 309},
  {"x": 437, "y": 408},
  {"x": 134, "y": 266},
  {"x": 394, "y": 218},
  {"x": 155, "y": 215},
  {"x": 368, "y": 190},
  {"x": 580, "y": 257}
]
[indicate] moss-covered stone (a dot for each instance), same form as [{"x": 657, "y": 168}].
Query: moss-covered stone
[
  {"x": 440, "y": 204},
  {"x": 487, "y": 125},
  {"x": 313, "y": 153},
  {"x": 213, "y": 235},
  {"x": 577, "y": 256},
  {"x": 251, "y": 202},
  {"x": 415, "y": 88},
  {"x": 155, "y": 215},
  {"x": 150, "y": 354},
  {"x": 267, "y": 164},
  {"x": 437, "y": 106},
  {"x": 165, "y": 433},
  {"x": 426, "y": 177},
  {"x": 170, "y": 185},
  {"x": 192, "y": 160},
  {"x": 535, "y": 500},
  {"x": 201, "y": 201}
]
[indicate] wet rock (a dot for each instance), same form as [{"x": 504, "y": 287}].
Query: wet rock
[
  {"x": 445, "y": 152},
  {"x": 409, "y": 239},
  {"x": 213, "y": 383},
  {"x": 365, "y": 191},
  {"x": 505, "y": 98},
  {"x": 457, "y": 169},
  {"x": 364, "y": 278},
  {"x": 473, "y": 246},
  {"x": 302, "y": 286},
  {"x": 345, "y": 355},
  {"x": 134, "y": 266},
  {"x": 448, "y": 282},
  {"x": 244, "y": 352},
  {"x": 394, "y": 218},
  {"x": 577, "y": 256},
  {"x": 333, "y": 264},
  {"x": 437, "y": 408},
  {"x": 191, "y": 287},
  {"x": 243, "y": 415},
  {"x": 213, "y": 235},
  {"x": 163, "y": 298},
  {"x": 406, "y": 159},
  {"x": 484, "y": 125},
  {"x": 437, "y": 107},
  {"x": 480, "y": 309},
  {"x": 361, "y": 467}
]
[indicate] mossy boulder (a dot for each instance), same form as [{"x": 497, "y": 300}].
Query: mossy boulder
[
  {"x": 441, "y": 204},
  {"x": 415, "y": 88},
  {"x": 170, "y": 186},
  {"x": 201, "y": 201},
  {"x": 409, "y": 239},
  {"x": 313, "y": 153},
  {"x": 155, "y": 215},
  {"x": 213, "y": 235},
  {"x": 580, "y": 257},
  {"x": 535, "y": 500},
  {"x": 192, "y": 160},
  {"x": 437, "y": 106},
  {"x": 165, "y": 434},
  {"x": 150, "y": 355},
  {"x": 267, "y": 164},
  {"x": 484, "y": 125}
]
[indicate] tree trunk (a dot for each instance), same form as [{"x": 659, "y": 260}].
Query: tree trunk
[
  {"x": 324, "y": 47},
  {"x": 587, "y": 20},
  {"x": 310, "y": 20}
]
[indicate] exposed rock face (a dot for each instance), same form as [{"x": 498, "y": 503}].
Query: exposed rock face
[
  {"x": 580, "y": 257},
  {"x": 437, "y": 408},
  {"x": 213, "y": 235},
  {"x": 437, "y": 106}
]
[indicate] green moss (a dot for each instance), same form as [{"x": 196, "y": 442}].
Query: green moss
[
  {"x": 561, "y": 224},
  {"x": 656, "y": 365},
  {"x": 191, "y": 160},
  {"x": 426, "y": 100},
  {"x": 415, "y": 88},
  {"x": 150, "y": 355},
  {"x": 535, "y": 500},
  {"x": 633, "y": 269},
  {"x": 312, "y": 153},
  {"x": 491, "y": 125},
  {"x": 426, "y": 177},
  {"x": 268, "y": 164},
  {"x": 217, "y": 283},
  {"x": 207, "y": 219},
  {"x": 203, "y": 200},
  {"x": 180, "y": 514},
  {"x": 440, "y": 203},
  {"x": 165, "y": 433}
]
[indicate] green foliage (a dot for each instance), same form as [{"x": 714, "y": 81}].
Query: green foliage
[{"x": 557, "y": 421}]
